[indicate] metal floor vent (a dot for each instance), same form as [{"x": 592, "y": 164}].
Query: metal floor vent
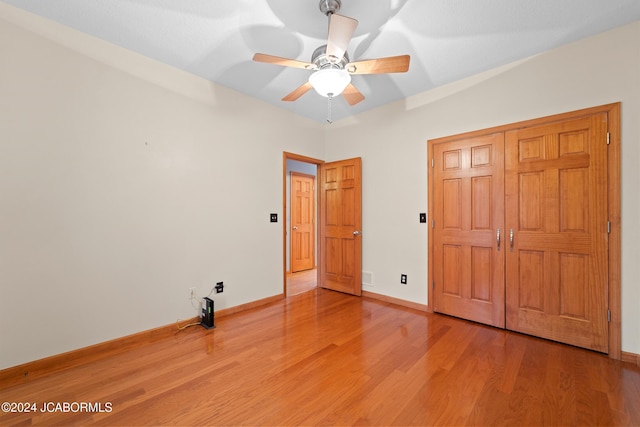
[{"x": 367, "y": 278}]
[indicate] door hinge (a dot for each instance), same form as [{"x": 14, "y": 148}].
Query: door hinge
[
  {"x": 608, "y": 138},
  {"x": 608, "y": 227},
  {"x": 608, "y": 315},
  {"x": 433, "y": 224},
  {"x": 433, "y": 284},
  {"x": 432, "y": 162}
]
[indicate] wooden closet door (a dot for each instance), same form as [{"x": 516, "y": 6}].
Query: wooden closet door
[
  {"x": 556, "y": 205},
  {"x": 468, "y": 211}
]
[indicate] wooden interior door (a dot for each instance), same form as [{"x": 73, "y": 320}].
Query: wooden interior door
[
  {"x": 556, "y": 207},
  {"x": 468, "y": 218},
  {"x": 302, "y": 222},
  {"x": 340, "y": 226}
]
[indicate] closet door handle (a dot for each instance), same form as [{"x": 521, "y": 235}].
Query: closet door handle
[
  {"x": 511, "y": 240},
  {"x": 498, "y": 239}
]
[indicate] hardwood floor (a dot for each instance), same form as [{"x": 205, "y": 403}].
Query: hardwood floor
[
  {"x": 325, "y": 358},
  {"x": 301, "y": 281}
]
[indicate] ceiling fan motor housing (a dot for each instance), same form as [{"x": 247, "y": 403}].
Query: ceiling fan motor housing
[{"x": 321, "y": 60}]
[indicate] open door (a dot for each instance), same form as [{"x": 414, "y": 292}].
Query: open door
[{"x": 340, "y": 226}]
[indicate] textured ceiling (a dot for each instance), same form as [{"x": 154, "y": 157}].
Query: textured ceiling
[{"x": 447, "y": 39}]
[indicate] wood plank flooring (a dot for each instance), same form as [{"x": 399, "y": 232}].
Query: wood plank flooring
[
  {"x": 301, "y": 281},
  {"x": 325, "y": 358}
]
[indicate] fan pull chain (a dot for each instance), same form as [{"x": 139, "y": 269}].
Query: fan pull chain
[{"x": 330, "y": 96}]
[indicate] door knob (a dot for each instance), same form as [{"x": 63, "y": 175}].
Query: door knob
[
  {"x": 295, "y": 227},
  {"x": 355, "y": 233}
]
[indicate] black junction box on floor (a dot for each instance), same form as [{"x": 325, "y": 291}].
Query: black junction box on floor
[{"x": 207, "y": 313}]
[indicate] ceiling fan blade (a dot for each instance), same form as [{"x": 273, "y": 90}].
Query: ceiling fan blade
[
  {"x": 285, "y": 62},
  {"x": 352, "y": 95},
  {"x": 298, "y": 92},
  {"x": 392, "y": 64},
  {"x": 341, "y": 29}
]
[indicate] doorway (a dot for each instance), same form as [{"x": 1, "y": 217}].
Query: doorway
[
  {"x": 300, "y": 225},
  {"x": 338, "y": 250}
]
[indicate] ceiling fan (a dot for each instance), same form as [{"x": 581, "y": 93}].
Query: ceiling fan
[{"x": 331, "y": 64}]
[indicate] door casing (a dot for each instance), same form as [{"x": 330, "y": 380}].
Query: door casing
[
  {"x": 285, "y": 232},
  {"x": 292, "y": 156}
]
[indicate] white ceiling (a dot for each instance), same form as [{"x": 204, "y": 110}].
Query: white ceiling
[{"x": 447, "y": 39}]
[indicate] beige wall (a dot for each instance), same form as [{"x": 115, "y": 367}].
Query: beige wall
[
  {"x": 124, "y": 182},
  {"x": 392, "y": 143}
]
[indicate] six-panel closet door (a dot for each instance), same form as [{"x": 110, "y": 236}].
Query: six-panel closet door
[
  {"x": 519, "y": 231},
  {"x": 556, "y": 205},
  {"x": 468, "y": 231}
]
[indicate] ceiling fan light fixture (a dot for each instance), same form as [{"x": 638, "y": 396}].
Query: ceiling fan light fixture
[{"x": 330, "y": 81}]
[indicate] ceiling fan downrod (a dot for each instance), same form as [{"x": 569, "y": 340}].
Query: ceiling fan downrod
[{"x": 329, "y": 7}]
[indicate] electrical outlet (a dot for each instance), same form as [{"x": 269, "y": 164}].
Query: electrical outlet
[
  {"x": 403, "y": 279},
  {"x": 219, "y": 287}
]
